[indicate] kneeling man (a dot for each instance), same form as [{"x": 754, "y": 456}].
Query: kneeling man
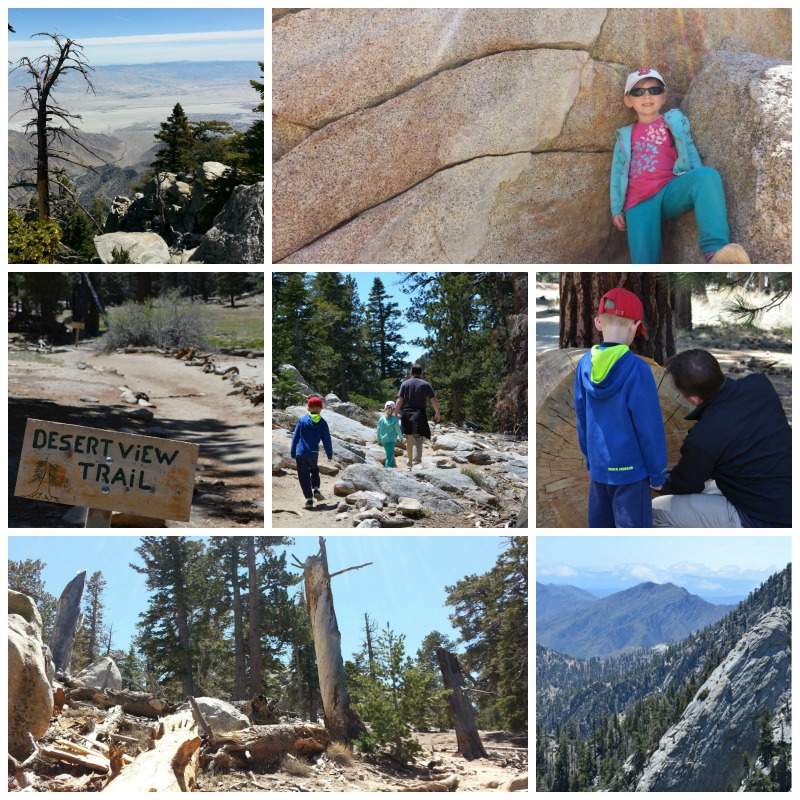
[{"x": 741, "y": 444}]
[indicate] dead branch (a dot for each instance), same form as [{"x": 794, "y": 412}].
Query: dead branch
[
  {"x": 342, "y": 571},
  {"x": 199, "y": 718}
]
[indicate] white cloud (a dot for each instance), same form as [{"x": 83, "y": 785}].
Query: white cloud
[
  {"x": 645, "y": 572},
  {"x": 559, "y": 571}
]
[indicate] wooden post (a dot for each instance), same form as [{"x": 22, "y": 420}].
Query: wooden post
[
  {"x": 67, "y": 622},
  {"x": 342, "y": 722},
  {"x": 97, "y": 518},
  {"x": 467, "y": 737}
]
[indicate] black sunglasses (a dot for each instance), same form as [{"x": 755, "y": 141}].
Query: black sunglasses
[{"x": 651, "y": 89}]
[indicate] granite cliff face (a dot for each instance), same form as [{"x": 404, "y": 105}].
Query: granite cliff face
[
  {"x": 475, "y": 135},
  {"x": 703, "y": 752}
]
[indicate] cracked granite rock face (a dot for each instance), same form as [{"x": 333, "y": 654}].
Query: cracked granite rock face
[
  {"x": 703, "y": 752},
  {"x": 380, "y": 115}
]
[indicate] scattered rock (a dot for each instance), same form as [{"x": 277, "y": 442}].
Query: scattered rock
[
  {"x": 103, "y": 673},
  {"x": 143, "y": 248},
  {"x": 409, "y": 507},
  {"x": 222, "y": 716}
]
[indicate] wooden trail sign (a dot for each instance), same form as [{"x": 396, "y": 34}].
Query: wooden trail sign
[{"x": 106, "y": 471}]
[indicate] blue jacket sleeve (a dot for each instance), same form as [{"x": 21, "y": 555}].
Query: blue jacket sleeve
[
  {"x": 644, "y": 407},
  {"x": 295, "y": 438},
  {"x": 326, "y": 441},
  {"x": 693, "y": 470},
  {"x": 691, "y": 150},
  {"x": 617, "y": 169},
  {"x": 580, "y": 413}
]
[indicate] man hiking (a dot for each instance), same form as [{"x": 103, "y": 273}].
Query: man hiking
[{"x": 412, "y": 411}]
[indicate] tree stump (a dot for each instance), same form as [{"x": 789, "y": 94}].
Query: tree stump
[{"x": 562, "y": 480}]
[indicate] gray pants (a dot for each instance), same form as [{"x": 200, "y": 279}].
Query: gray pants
[
  {"x": 711, "y": 509},
  {"x": 414, "y": 448}
]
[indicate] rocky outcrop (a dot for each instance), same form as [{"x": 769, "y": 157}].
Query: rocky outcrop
[
  {"x": 222, "y": 716},
  {"x": 703, "y": 752},
  {"x": 143, "y": 248},
  {"x": 237, "y": 236},
  {"x": 469, "y": 135},
  {"x": 30, "y": 696},
  {"x": 740, "y": 105},
  {"x": 182, "y": 196}
]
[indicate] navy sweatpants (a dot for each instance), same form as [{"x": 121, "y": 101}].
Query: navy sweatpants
[
  {"x": 308, "y": 473},
  {"x": 626, "y": 506}
]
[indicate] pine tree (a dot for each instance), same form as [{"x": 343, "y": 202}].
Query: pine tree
[
  {"x": 291, "y": 322},
  {"x": 26, "y": 577},
  {"x": 176, "y": 135},
  {"x": 174, "y": 574},
  {"x": 383, "y": 322}
]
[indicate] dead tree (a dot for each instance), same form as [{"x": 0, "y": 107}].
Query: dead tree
[
  {"x": 341, "y": 721},
  {"x": 67, "y": 622},
  {"x": 467, "y": 737},
  {"x": 45, "y": 71}
]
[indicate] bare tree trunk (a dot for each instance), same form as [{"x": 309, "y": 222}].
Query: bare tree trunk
[
  {"x": 184, "y": 637},
  {"x": 255, "y": 618},
  {"x": 240, "y": 688},
  {"x": 370, "y": 651},
  {"x": 68, "y": 617},
  {"x": 342, "y": 722},
  {"x": 42, "y": 188},
  {"x": 467, "y": 737}
]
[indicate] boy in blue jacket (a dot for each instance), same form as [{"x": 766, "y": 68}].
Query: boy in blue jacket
[
  {"x": 618, "y": 413},
  {"x": 657, "y": 174},
  {"x": 309, "y": 432}
]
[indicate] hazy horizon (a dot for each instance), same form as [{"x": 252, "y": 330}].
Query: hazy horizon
[
  {"x": 712, "y": 567},
  {"x": 151, "y": 35}
]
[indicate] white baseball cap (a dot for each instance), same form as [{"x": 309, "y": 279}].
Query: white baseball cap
[
  {"x": 640, "y": 75},
  {"x": 390, "y": 404}
]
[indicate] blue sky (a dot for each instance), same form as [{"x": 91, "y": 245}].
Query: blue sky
[
  {"x": 405, "y": 586},
  {"x": 713, "y": 567},
  {"x": 144, "y": 35}
]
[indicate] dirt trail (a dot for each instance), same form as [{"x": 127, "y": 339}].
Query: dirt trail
[{"x": 190, "y": 405}]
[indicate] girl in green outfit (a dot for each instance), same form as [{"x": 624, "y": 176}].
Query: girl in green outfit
[{"x": 389, "y": 432}]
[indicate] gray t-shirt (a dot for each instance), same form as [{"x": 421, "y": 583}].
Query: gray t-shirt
[{"x": 414, "y": 391}]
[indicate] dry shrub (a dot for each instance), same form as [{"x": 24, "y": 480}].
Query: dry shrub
[
  {"x": 340, "y": 754},
  {"x": 295, "y": 767}
]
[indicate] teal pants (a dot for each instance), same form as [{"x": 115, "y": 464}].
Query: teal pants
[
  {"x": 701, "y": 190},
  {"x": 389, "y": 449}
]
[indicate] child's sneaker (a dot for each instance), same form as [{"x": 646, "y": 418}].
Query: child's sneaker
[
  {"x": 318, "y": 495},
  {"x": 730, "y": 254},
  {"x": 309, "y": 503}
]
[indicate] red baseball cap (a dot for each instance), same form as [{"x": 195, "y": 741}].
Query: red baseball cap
[
  {"x": 623, "y": 304},
  {"x": 314, "y": 400}
]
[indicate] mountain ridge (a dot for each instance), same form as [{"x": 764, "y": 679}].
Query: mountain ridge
[{"x": 643, "y": 616}]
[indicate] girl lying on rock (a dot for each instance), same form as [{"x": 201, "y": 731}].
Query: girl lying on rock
[{"x": 657, "y": 174}]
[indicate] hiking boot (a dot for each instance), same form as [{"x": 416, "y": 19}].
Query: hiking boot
[
  {"x": 730, "y": 254},
  {"x": 318, "y": 495},
  {"x": 409, "y": 464},
  {"x": 309, "y": 503}
]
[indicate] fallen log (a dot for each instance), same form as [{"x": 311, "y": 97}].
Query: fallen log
[
  {"x": 66, "y": 751},
  {"x": 263, "y": 744},
  {"x": 139, "y": 704},
  {"x": 171, "y": 766},
  {"x": 562, "y": 480}
]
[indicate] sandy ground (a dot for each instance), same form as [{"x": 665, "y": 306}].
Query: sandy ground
[
  {"x": 765, "y": 347},
  {"x": 191, "y": 405},
  {"x": 506, "y": 761}
]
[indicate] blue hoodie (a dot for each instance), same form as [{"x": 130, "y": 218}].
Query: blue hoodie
[
  {"x": 618, "y": 413},
  {"x": 307, "y": 436}
]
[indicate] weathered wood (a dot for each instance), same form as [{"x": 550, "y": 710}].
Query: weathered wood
[
  {"x": 467, "y": 737},
  {"x": 106, "y": 470},
  {"x": 67, "y": 622},
  {"x": 170, "y": 767},
  {"x": 562, "y": 480},
  {"x": 61, "y": 751},
  {"x": 139, "y": 704},
  {"x": 342, "y": 722},
  {"x": 262, "y": 744}
]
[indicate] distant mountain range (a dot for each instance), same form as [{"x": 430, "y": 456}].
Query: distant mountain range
[{"x": 574, "y": 622}]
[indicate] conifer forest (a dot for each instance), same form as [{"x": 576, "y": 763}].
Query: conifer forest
[{"x": 237, "y": 677}]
